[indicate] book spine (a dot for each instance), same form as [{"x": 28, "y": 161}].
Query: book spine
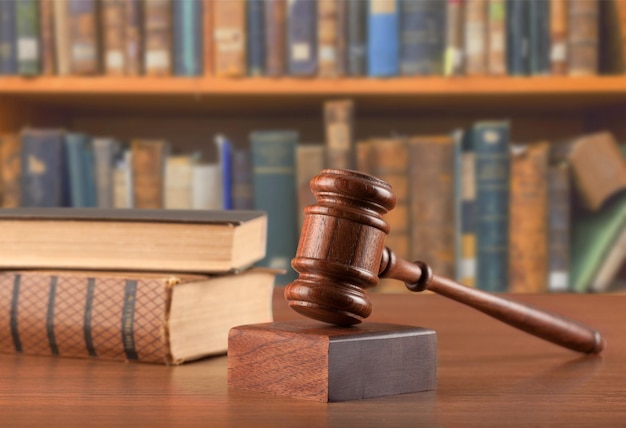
[
  {"x": 558, "y": 36},
  {"x": 83, "y": 37},
  {"x": 476, "y": 22},
  {"x": 517, "y": 37},
  {"x": 496, "y": 38},
  {"x": 133, "y": 37},
  {"x": 229, "y": 22},
  {"x": 327, "y": 37},
  {"x": 225, "y": 156},
  {"x": 491, "y": 145},
  {"x": 206, "y": 187},
  {"x": 186, "y": 35},
  {"x": 422, "y": 37},
  {"x": 105, "y": 151},
  {"x": 123, "y": 180},
  {"x": 356, "y": 37},
  {"x": 275, "y": 42},
  {"x": 157, "y": 38},
  {"x": 341, "y": 62},
  {"x": 583, "y": 37},
  {"x": 46, "y": 30},
  {"x": 309, "y": 162},
  {"x": 455, "y": 38},
  {"x": 10, "y": 170},
  {"x": 44, "y": 181},
  {"x": 255, "y": 28},
  {"x": 466, "y": 270},
  {"x": 339, "y": 126},
  {"x": 558, "y": 227},
  {"x": 383, "y": 44},
  {"x": 113, "y": 31},
  {"x": 61, "y": 37},
  {"x": 302, "y": 37},
  {"x": 207, "y": 36},
  {"x": 8, "y": 54},
  {"x": 104, "y": 318},
  {"x": 79, "y": 155},
  {"x": 179, "y": 182},
  {"x": 539, "y": 38},
  {"x": 242, "y": 180},
  {"x": 432, "y": 230},
  {"x": 27, "y": 37},
  {"x": 148, "y": 164},
  {"x": 273, "y": 171},
  {"x": 528, "y": 226}
]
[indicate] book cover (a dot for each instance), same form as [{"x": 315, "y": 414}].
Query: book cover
[
  {"x": 84, "y": 44},
  {"x": 8, "y": 39},
  {"x": 133, "y": 37},
  {"x": 44, "y": 180},
  {"x": 528, "y": 223},
  {"x": 476, "y": 24},
  {"x": 46, "y": 32},
  {"x": 225, "y": 160},
  {"x": 558, "y": 36},
  {"x": 132, "y": 317},
  {"x": 229, "y": 21},
  {"x": 187, "y": 37},
  {"x": 466, "y": 193},
  {"x": 496, "y": 38},
  {"x": 61, "y": 37},
  {"x": 583, "y": 38},
  {"x": 328, "y": 37},
  {"x": 310, "y": 161},
  {"x": 242, "y": 180},
  {"x": 275, "y": 37},
  {"x": 274, "y": 178},
  {"x": 207, "y": 186},
  {"x": 539, "y": 37},
  {"x": 255, "y": 29},
  {"x": 383, "y": 42},
  {"x": 106, "y": 151},
  {"x": 356, "y": 37},
  {"x": 339, "y": 129},
  {"x": 518, "y": 38},
  {"x": 422, "y": 37},
  {"x": 453, "y": 63},
  {"x": 559, "y": 223},
  {"x": 179, "y": 182},
  {"x": 80, "y": 169},
  {"x": 28, "y": 46},
  {"x": 10, "y": 170},
  {"x": 157, "y": 37},
  {"x": 491, "y": 145},
  {"x": 148, "y": 163},
  {"x": 431, "y": 202},
  {"x": 113, "y": 34},
  {"x": 302, "y": 37},
  {"x": 123, "y": 179}
]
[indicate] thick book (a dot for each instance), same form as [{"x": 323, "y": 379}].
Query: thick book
[
  {"x": 558, "y": 36},
  {"x": 123, "y": 179},
  {"x": 559, "y": 226},
  {"x": 476, "y": 24},
  {"x": 422, "y": 37},
  {"x": 274, "y": 178},
  {"x": 105, "y": 152},
  {"x": 275, "y": 37},
  {"x": 339, "y": 129},
  {"x": 229, "y": 42},
  {"x": 491, "y": 145},
  {"x": 84, "y": 44},
  {"x": 496, "y": 38},
  {"x": 46, "y": 31},
  {"x": 8, "y": 41},
  {"x": 255, "y": 30},
  {"x": 137, "y": 240},
  {"x": 224, "y": 149},
  {"x": 517, "y": 17},
  {"x": 187, "y": 37},
  {"x": 27, "y": 37},
  {"x": 43, "y": 165},
  {"x": 583, "y": 38},
  {"x": 133, "y": 37},
  {"x": 328, "y": 37},
  {"x": 80, "y": 170},
  {"x": 157, "y": 37},
  {"x": 528, "y": 224},
  {"x": 356, "y": 37},
  {"x": 148, "y": 167},
  {"x": 431, "y": 202},
  {"x": 159, "y": 318},
  {"x": 10, "y": 170},
  {"x": 179, "y": 181},
  {"x": 302, "y": 37},
  {"x": 113, "y": 27},
  {"x": 383, "y": 41},
  {"x": 539, "y": 38},
  {"x": 206, "y": 187},
  {"x": 612, "y": 54},
  {"x": 61, "y": 37},
  {"x": 453, "y": 62}
]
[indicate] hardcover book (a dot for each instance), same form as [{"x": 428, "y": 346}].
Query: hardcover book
[
  {"x": 302, "y": 37},
  {"x": 275, "y": 37},
  {"x": 133, "y": 317},
  {"x": 539, "y": 37},
  {"x": 84, "y": 51},
  {"x": 10, "y": 170},
  {"x": 114, "y": 40},
  {"x": 157, "y": 30},
  {"x": 466, "y": 193},
  {"x": 339, "y": 129},
  {"x": 179, "y": 182},
  {"x": 356, "y": 37},
  {"x": 106, "y": 150},
  {"x": 476, "y": 24},
  {"x": 27, "y": 37},
  {"x": 559, "y": 226},
  {"x": 46, "y": 30},
  {"x": 8, "y": 41},
  {"x": 517, "y": 16},
  {"x": 455, "y": 38},
  {"x": 583, "y": 38},
  {"x": 383, "y": 43},
  {"x": 242, "y": 180},
  {"x": 422, "y": 37},
  {"x": 187, "y": 37},
  {"x": 328, "y": 37},
  {"x": 229, "y": 22},
  {"x": 496, "y": 38},
  {"x": 61, "y": 37},
  {"x": 255, "y": 29},
  {"x": 80, "y": 167},
  {"x": 558, "y": 36},
  {"x": 133, "y": 37},
  {"x": 148, "y": 166}
]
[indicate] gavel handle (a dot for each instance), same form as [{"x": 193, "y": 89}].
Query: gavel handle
[{"x": 551, "y": 327}]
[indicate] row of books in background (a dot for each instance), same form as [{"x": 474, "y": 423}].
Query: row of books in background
[{"x": 325, "y": 38}]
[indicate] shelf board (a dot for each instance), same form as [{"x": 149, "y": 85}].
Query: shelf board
[{"x": 264, "y": 95}]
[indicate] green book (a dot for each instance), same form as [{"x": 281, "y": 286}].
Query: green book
[{"x": 28, "y": 45}]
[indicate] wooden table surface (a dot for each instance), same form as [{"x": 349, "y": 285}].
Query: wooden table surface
[{"x": 489, "y": 375}]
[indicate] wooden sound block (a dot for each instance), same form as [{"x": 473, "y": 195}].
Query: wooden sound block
[{"x": 316, "y": 361}]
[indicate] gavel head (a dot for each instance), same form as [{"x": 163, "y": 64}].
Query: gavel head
[{"x": 341, "y": 247}]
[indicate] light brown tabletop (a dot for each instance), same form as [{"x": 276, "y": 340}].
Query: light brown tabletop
[{"x": 488, "y": 375}]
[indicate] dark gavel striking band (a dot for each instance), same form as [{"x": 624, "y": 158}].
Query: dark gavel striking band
[{"x": 341, "y": 253}]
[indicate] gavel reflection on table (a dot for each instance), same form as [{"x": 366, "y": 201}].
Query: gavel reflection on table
[{"x": 341, "y": 253}]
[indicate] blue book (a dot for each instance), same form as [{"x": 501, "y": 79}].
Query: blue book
[
  {"x": 517, "y": 27},
  {"x": 187, "y": 37},
  {"x": 383, "y": 42},
  {"x": 274, "y": 189},
  {"x": 302, "y": 37},
  {"x": 493, "y": 173},
  {"x": 80, "y": 170},
  {"x": 255, "y": 23},
  {"x": 422, "y": 37},
  {"x": 8, "y": 55},
  {"x": 225, "y": 157},
  {"x": 44, "y": 180}
]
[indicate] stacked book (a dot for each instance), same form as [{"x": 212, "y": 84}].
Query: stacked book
[{"x": 152, "y": 286}]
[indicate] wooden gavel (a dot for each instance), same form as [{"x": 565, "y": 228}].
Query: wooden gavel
[{"x": 341, "y": 253}]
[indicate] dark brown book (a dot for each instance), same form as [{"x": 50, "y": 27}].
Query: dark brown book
[
  {"x": 46, "y": 33},
  {"x": 10, "y": 170},
  {"x": 275, "y": 27},
  {"x": 432, "y": 198},
  {"x": 339, "y": 126},
  {"x": 148, "y": 166},
  {"x": 583, "y": 38},
  {"x": 84, "y": 56},
  {"x": 528, "y": 224},
  {"x": 114, "y": 40},
  {"x": 327, "y": 37},
  {"x": 132, "y": 240},
  {"x": 559, "y": 17},
  {"x": 229, "y": 23},
  {"x": 207, "y": 34},
  {"x": 157, "y": 37},
  {"x": 453, "y": 63},
  {"x": 142, "y": 317},
  {"x": 559, "y": 226},
  {"x": 133, "y": 37}
]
